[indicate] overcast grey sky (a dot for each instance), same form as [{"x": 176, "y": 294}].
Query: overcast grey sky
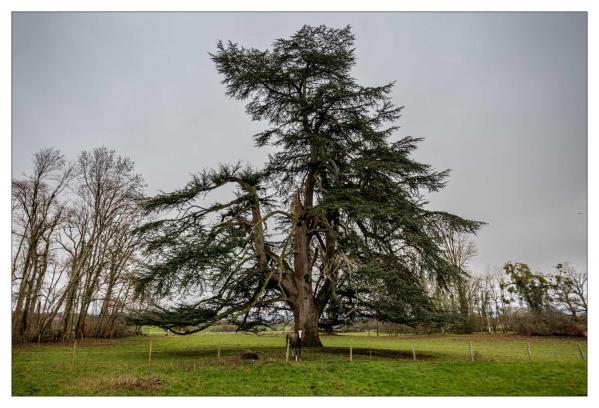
[{"x": 500, "y": 98}]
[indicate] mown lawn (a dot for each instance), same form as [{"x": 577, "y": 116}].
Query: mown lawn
[{"x": 189, "y": 365}]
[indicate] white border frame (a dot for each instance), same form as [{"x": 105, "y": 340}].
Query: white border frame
[{"x": 7, "y": 7}]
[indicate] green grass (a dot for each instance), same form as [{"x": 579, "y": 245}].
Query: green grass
[{"x": 188, "y": 365}]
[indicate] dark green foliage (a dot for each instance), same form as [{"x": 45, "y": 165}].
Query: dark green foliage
[
  {"x": 357, "y": 230},
  {"x": 204, "y": 252},
  {"x": 532, "y": 288},
  {"x": 551, "y": 301}
]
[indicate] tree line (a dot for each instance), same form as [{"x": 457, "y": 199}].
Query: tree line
[
  {"x": 332, "y": 229},
  {"x": 74, "y": 251},
  {"x": 508, "y": 299},
  {"x": 512, "y": 299},
  {"x": 77, "y": 258}
]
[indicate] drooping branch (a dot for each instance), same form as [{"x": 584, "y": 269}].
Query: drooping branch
[{"x": 357, "y": 240}]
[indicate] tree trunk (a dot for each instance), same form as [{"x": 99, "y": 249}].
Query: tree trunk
[
  {"x": 302, "y": 302},
  {"x": 464, "y": 306},
  {"x": 305, "y": 316},
  {"x": 105, "y": 305},
  {"x": 67, "y": 318}
]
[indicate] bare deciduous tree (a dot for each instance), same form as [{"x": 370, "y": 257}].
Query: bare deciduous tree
[
  {"x": 74, "y": 248},
  {"x": 459, "y": 250},
  {"x": 37, "y": 213}
]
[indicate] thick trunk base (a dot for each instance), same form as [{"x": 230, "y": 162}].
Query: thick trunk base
[
  {"x": 312, "y": 340},
  {"x": 306, "y": 319}
]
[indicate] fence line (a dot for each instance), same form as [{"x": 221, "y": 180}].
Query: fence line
[
  {"x": 576, "y": 350},
  {"x": 400, "y": 349},
  {"x": 475, "y": 353},
  {"x": 211, "y": 355}
]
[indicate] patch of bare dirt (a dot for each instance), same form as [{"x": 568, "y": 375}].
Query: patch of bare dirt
[
  {"x": 249, "y": 355},
  {"x": 137, "y": 383}
]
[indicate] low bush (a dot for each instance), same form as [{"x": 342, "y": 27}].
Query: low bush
[{"x": 548, "y": 323}]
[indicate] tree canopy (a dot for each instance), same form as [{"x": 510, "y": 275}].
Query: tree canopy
[{"x": 333, "y": 227}]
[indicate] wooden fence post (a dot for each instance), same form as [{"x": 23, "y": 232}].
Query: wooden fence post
[
  {"x": 580, "y": 351},
  {"x": 350, "y": 353},
  {"x": 74, "y": 351},
  {"x": 471, "y": 352},
  {"x": 529, "y": 351},
  {"x": 218, "y": 354},
  {"x": 370, "y": 352},
  {"x": 150, "y": 355},
  {"x": 413, "y": 351}
]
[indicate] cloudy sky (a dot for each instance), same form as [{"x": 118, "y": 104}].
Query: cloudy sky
[{"x": 500, "y": 98}]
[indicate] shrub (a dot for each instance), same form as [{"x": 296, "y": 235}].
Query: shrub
[{"x": 547, "y": 323}]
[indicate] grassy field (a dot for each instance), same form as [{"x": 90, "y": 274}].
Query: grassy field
[{"x": 381, "y": 365}]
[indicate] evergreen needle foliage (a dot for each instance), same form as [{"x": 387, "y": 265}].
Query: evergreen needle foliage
[{"x": 333, "y": 228}]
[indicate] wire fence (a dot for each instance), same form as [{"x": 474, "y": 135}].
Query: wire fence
[{"x": 180, "y": 356}]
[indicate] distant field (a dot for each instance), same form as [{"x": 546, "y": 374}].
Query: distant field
[{"x": 382, "y": 365}]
